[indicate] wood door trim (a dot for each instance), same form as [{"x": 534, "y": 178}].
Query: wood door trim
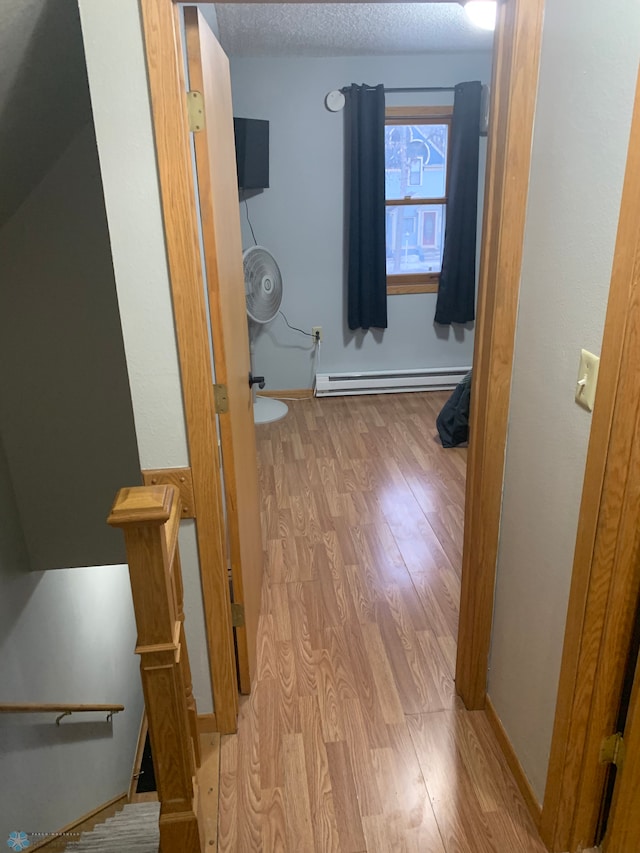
[
  {"x": 293, "y": 393},
  {"x": 163, "y": 53},
  {"x": 181, "y": 478},
  {"x": 603, "y": 569},
  {"x": 207, "y": 723},
  {"x": 624, "y": 819},
  {"x": 514, "y": 89},
  {"x": 207, "y": 62},
  {"x": 513, "y": 761}
]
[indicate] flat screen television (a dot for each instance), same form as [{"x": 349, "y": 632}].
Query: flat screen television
[{"x": 252, "y": 153}]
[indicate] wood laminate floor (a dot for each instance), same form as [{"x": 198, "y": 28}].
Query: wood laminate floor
[{"x": 353, "y": 739}]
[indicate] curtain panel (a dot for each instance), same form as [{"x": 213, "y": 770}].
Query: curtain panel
[
  {"x": 367, "y": 275},
  {"x": 456, "y": 290}
]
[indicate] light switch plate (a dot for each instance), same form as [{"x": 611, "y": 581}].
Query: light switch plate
[{"x": 587, "y": 379}]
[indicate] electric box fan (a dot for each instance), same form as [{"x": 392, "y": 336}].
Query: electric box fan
[{"x": 263, "y": 292}]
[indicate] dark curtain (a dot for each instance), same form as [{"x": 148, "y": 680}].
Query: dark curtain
[
  {"x": 367, "y": 275},
  {"x": 456, "y": 291}
]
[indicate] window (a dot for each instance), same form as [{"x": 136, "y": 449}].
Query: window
[{"x": 416, "y": 179}]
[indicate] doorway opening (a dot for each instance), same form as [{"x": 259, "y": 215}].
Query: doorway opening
[
  {"x": 515, "y": 70},
  {"x": 302, "y": 127},
  {"x": 508, "y": 133}
]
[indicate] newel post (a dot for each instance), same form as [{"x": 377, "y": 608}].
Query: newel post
[{"x": 149, "y": 517}]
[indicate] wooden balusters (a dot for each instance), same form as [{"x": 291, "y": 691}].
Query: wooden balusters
[{"x": 149, "y": 517}]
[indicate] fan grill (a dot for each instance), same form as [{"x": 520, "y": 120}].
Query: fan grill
[{"x": 263, "y": 284}]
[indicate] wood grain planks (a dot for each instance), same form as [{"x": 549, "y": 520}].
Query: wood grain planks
[
  {"x": 208, "y": 779},
  {"x": 222, "y": 253},
  {"x": 354, "y": 739}
]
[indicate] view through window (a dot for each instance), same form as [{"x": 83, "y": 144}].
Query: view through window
[{"x": 416, "y": 178}]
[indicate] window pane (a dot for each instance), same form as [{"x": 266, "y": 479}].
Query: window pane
[
  {"x": 415, "y": 238},
  {"x": 415, "y": 160}
]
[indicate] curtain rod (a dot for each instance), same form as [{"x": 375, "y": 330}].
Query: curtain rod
[
  {"x": 424, "y": 89},
  {"x": 413, "y": 89}
]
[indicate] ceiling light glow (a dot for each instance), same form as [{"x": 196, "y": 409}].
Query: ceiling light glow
[{"x": 482, "y": 13}]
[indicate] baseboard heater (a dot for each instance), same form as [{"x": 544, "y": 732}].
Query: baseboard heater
[{"x": 389, "y": 381}]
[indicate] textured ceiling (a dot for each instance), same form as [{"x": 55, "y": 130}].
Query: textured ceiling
[
  {"x": 44, "y": 96},
  {"x": 346, "y": 29}
]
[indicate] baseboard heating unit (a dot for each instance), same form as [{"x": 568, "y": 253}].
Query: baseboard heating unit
[{"x": 389, "y": 381}]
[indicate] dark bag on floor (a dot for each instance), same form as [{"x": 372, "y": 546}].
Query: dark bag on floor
[{"x": 453, "y": 420}]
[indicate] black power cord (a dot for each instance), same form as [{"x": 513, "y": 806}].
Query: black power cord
[
  {"x": 246, "y": 204},
  {"x": 295, "y": 328}
]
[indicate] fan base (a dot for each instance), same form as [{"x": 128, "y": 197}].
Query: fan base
[{"x": 268, "y": 409}]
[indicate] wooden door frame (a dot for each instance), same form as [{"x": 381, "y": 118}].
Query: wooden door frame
[
  {"x": 606, "y": 567},
  {"x": 514, "y": 88},
  {"x": 605, "y": 532},
  {"x": 165, "y": 70},
  {"x": 516, "y": 59},
  {"x": 623, "y": 833}
]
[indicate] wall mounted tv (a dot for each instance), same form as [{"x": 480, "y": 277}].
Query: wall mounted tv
[{"x": 252, "y": 153}]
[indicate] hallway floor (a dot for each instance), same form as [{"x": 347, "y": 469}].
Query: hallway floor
[{"x": 353, "y": 739}]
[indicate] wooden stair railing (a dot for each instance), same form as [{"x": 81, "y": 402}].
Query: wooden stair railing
[
  {"x": 65, "y": 709},
  {"x": 150, "y": 517}
]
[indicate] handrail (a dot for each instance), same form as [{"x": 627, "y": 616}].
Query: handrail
[
  {"x": 52, "y": 707},
  {"x": 149, "y": 517}
]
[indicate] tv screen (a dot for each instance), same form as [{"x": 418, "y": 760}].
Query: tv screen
[{"x": 252, "y": 153}]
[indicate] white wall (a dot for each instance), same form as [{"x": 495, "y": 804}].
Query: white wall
[
  {"x": 65, "y": 636},
  {"x": 122, "y": 118},
  {"x": 588, "y": 70},
  {"x": 300, "y": 218},
  {"x": 66, "y": 415},
  {"x": 67, "y": 427},
  {"x": 122, "y": 115}
]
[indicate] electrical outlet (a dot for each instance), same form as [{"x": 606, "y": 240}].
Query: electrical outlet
[{"x": 316, "y": 331}]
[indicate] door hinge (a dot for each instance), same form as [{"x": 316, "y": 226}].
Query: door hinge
[
  {"x": 612, "y": 750},
  {"x": 221, "y": 398},
  {"x": 195, "y": 108},
  {"x": 237, "y": 615}
]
